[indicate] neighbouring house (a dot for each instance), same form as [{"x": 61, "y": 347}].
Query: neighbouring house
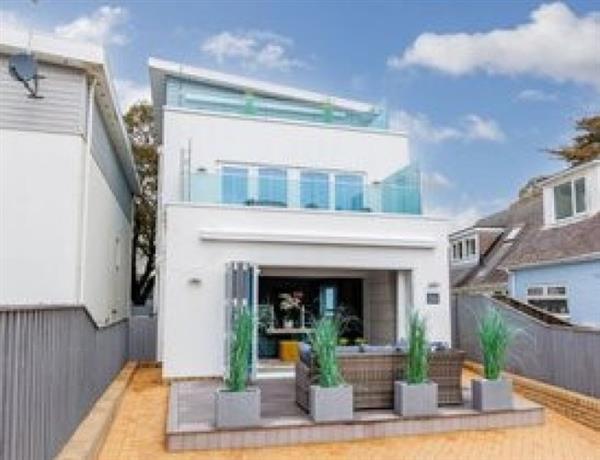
[
  {"x": 295, "y": 203},
  {"x": 67, "y": 180},
  {"x": 544, "y": 249}
]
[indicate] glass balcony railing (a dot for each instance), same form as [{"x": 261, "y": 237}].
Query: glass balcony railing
[{"x": 313, "y": 192}]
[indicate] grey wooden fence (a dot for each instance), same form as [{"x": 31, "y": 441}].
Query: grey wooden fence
[
  {"x": 560, "y": 355},
  {"x": 142, "y": 338},
  {"x": 54, "y": 364}
]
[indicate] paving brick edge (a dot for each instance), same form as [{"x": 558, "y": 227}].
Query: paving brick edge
[
  {"x": 88, "y": 439},
  {"x": 576, "y": 406}
]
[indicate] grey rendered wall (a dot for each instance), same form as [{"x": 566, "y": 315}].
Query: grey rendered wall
[
  {"x": 62, "y": 109},
  {"x": 565, "y": 356},
  {"x": 142, "y": 338},
  {"x": 380, "y": 307},
  {"x": 54, "y": 364},
  {"x": 105, "y": 156}
]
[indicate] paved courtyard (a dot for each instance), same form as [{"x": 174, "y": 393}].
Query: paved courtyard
[{"x": 138, "y": 433}]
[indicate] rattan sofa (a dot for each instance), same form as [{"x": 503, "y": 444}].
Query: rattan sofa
[{"x": 372, "y": 375}]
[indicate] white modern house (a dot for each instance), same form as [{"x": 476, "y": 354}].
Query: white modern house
[
  {"x": 67, "y": 181},
  {"x": 270, "y": 195}
]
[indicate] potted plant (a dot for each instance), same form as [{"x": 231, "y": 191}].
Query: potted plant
[
  {"x": 493, "y": 392},
  {"x": 416, "y": 396},
  {"x": 237, "y": 405},
  {"x": 331, "y": 399}
]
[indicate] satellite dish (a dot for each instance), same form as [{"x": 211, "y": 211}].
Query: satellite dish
[{"x": 23, "y": 67}]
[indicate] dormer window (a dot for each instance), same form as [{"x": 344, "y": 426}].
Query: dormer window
[
  {"x": 464, "y": 250},
  {"x": 569, "y": 199}
]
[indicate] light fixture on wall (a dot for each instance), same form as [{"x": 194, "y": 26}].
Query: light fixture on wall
[{"x": 195, "y": 281}]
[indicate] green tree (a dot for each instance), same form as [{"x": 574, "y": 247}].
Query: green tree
[
  {"x": 139, "y": 121},
  {"x": 585, "y": 146}
]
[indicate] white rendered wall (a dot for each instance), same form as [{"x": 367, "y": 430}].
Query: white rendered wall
[
  {"x": 214, "y": 139},
  {"x": 41, "y": 201},
  {"x": 39, "y": 217},
  {"x": 192, "y": 315},
  {"x": 107, "y": 274}
]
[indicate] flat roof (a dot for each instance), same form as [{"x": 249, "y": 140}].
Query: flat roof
[
  {"x": 160, "y": 69},
  {"x": 91, "y": 59}
]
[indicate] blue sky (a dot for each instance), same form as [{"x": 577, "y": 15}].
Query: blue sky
[{"x": 482, "y": 87}]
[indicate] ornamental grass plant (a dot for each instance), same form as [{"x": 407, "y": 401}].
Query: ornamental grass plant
[
  {"x": 324, "y": 339},
  {"x": 495, "y": 337},
  {"x": 417, "y": 366},
  {"x": 239, "y": 357}
]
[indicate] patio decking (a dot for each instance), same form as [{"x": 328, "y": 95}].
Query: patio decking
[{"x": 190, "y": 423}]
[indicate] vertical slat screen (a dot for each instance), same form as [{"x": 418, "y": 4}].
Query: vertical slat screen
[{"x": 54, "y": 364}]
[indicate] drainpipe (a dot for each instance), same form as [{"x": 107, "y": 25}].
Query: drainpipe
[{"x": 85, "y": 189}]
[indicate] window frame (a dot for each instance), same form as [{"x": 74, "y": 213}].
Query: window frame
[
  {"x": 545, "y": 296},
  {"x": 575, "y": 209}
]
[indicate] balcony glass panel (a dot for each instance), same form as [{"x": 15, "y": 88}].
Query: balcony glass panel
[
  {"x": 235, "y": 185},
  {"x": 314, "y": 190},
  {"x": 272, "y": 187},
  {"x": 348, "y": 192}
]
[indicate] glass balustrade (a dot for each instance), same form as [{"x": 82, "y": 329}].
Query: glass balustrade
[{"x": 314, "y": 190}]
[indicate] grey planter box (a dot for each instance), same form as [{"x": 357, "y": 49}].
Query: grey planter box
[
  {"x": 491, "y": 395},
  {"x": 415, "y": 400},
  {"x": 331, "y": 404},
  {"x": 237, "y": 409}
]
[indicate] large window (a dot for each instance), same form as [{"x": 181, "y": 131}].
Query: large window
[
  {"x": 552, "y": 298},
  {"x": 348, "y": 192},
  {"x": 234, "y": 183},
  {"x": 272, "y": 186},
  {"x": 569, "y": 199},
  {"x": 314, "y": 189}
]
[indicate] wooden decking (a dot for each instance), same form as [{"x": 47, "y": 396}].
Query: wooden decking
[{"x": 190, "y": 423}]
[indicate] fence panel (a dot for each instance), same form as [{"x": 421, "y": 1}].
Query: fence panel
[
  {"x": 54, "y": 364},
  {"x": 142, "y": 338},
  {"x": 565, "y": 356}
]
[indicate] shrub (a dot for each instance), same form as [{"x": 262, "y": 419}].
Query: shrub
[
  {"x": 416, "y": 371},
  {"x": 324, "y": 339},
  {"x": 241, "y": 343},
  {"x": 494, "y": 338}
]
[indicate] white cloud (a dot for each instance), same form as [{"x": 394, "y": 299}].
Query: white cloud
[
  {"x": 130, "y": 92},
  {"x": 418, "y": 126},
  {"x": 435, "y": 179},
  {"x": 478, "y": 128},
  {"x": 555, "y": 44},
  {"x": 99, "y": 27},
  {"x": 470, "y": 127},
  {"x": 253, "y": 49},
  {"x": 536, "y": 95}
]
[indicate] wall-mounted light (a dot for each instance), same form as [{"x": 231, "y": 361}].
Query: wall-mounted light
[{"x": 195, "y": 281}]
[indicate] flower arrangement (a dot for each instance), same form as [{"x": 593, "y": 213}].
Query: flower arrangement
[{"x": 290, "y": 305}]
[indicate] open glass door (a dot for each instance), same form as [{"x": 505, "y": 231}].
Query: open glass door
[{"x": 241, "y": 292}]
